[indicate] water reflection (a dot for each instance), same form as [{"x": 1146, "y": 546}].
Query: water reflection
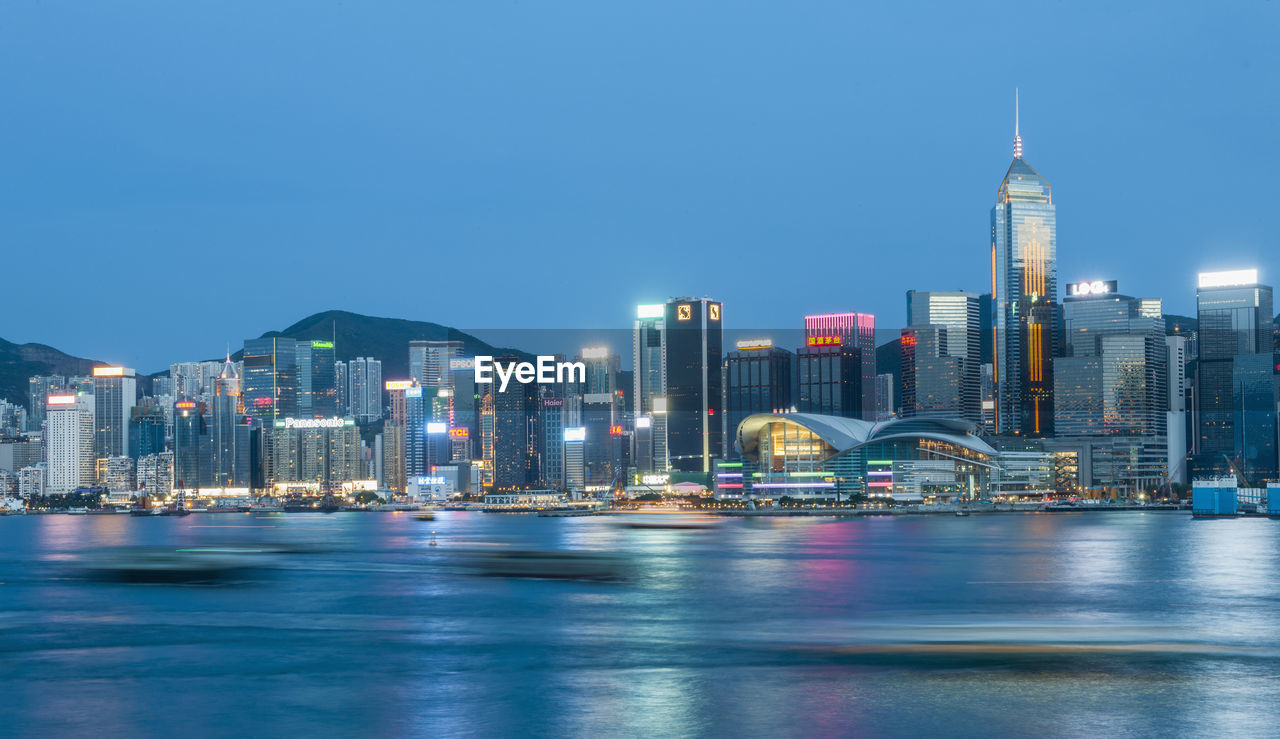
[{"x": 1097, "y": 623}]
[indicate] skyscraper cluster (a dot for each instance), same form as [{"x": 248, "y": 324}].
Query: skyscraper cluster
[{"x": 1069, "y": 387}]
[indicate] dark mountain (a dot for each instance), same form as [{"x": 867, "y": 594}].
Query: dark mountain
[
  {"x": 386, "y": 339},
  {"x": 20, "y": 361}
]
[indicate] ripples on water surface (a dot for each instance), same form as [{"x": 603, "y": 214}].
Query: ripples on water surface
[{"x": 351, "y": 624}]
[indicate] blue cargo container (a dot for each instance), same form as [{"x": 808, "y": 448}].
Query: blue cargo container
[
  {"x": 1213, "y": 499},
  {"x": 1273, "y": 499}
]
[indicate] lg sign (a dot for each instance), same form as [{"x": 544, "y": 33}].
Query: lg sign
[{"x": 1097, "y": 287}]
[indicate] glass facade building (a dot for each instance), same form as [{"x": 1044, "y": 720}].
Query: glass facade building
[
  {"x": 1235, "y": 404},
  {"x": 758, "y": 379},
  {"x": 1024, "y": 276},
  {"x": 959, "y": 314},
  {"x": 270, "y": 380},
  {"x": 855, "y": 332}
]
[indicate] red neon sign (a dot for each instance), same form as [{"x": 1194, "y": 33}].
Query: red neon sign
[
  {"x": 825, "y": 341},
  {"x": 615, "y": 431}
]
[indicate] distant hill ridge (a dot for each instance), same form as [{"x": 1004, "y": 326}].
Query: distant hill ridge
[{"x": 353, "y": 334}]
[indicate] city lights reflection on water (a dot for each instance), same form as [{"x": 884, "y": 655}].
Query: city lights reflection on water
[{"x": 351, "y": 623}]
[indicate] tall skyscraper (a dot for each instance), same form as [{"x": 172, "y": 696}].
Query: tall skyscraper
[
  {"x": 39, "y": 388},
  {"x": 190, "y": 433},
  {"x": 1024, "y": 273},
  {"x": 1110, "y": 388},
  {"x": 933, "y": 381},
  {"x": 69, "y": 442},
  {"x": 694, "y": 339},
  {"x": 231, "y": 435},
  {"x": 270, "y": 381},
  {"x": 429, "y": 361},
  {"x": 959, "y": 314},
  {"x": 365, "y": 377},
  {"x": 342, "y": 388},
  {"x": 649, "y": 396},
  {"x": 317, "y": 385},
  {"x": 758, "y": 379},
  {"x": 842, "y": 334},
  {"x": 115, "y": 391},
  {"x": 1235, "y": 377}
]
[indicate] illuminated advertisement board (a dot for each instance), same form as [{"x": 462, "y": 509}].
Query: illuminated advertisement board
[
  {"x": 108, "y": 371},
  {"x": 575, "y": 433}
]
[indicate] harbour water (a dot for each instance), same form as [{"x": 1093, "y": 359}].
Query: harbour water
[{"x": 353, "y": 624}]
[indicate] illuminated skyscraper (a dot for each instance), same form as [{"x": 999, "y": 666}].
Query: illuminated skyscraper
[
  {"x": 317, "y": 388},
  {"x": 68, "y": 442},
  {"x": 958, "y": 314},
  {"x": 1235, "y": 377},
  {"x": 1024, "y": 274},
  {"x": 270, "y": 380},
  {"x": 114, "y": 393},
  {"x": 832, "y": 342},
  {"x": 650, "y": 393}
]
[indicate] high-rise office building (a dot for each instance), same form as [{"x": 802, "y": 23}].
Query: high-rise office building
[
  {"x": 829, "y": 377},
  {"x": 190, "y": 445},
  {"x": 960, "y": 314},
  {"x": 317, "y": 383},
  {"x": 269, "y": 383},
  {"x": 649, "y": 395},
  {"x": 1235, "y": 377},
  {"x": 886, "y": 397},
  {"x": 758, "y": 379},
  {"x": 693, "y": 375},
  {"x": 429, "y": 361},
  {"x": 844, "y": 334},
  {"x": 146, "y": 430},
  {"x": 515, "y": 414},
  {"x": 342, "y": 388},
  {"x": 1024, "y": 272},
  {"x": 69, "y": 442},
  {"x": 115, "y": 391},
  {"x": 933, "y": 381},
  {"x": 365, "y": 377},
  {"x": 231, "y": 435},
  {"x": 39, "y": 388},
  {"x": 1113, "y": 376}
]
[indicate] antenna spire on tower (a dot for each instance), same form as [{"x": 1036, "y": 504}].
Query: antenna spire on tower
[{"x": 1017, "y": 138}]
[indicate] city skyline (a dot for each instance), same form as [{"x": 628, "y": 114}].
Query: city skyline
[{"x": 143, "y": 170}]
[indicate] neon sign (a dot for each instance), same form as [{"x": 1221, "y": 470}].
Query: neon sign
[
  {"x": 61, "y": 400},
  {"x": 825, "y": 340},
  {"x": 398, "y": 384},
  {"x": 108, "y": 371}
]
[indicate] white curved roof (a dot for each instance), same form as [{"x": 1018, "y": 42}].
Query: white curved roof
[{"x": 843, "y": 434}]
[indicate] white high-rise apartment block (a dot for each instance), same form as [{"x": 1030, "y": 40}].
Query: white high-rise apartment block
[{"x": 68, "y": 443}]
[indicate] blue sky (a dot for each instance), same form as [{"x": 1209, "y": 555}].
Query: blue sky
[{"x": 179, "y": 175}]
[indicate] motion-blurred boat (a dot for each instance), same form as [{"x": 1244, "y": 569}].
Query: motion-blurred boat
[
  {"x": 551, "y": 564},
  {"x": 167, "y": 564}
]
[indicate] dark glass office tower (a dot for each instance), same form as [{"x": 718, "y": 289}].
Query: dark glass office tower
[
  {"x": 850, "y": 332},
  {"x": 1234, "y": 332},
  {"x": 189, "y": 431},
  {"x": 323, "y": 386},
  {"x": 959, "y": 315},
  {"x": 270, "y": 381},
  {"x": 758, "y": 379},
  {"x": 694, "y": 353},
  {"x": 830, "y": 377},
  {"x": 146, "y": 431},
  {"x": 933, "y": 381},
  {"x": 514, "y": 433},
  {"x": 1024, "y": 272}
]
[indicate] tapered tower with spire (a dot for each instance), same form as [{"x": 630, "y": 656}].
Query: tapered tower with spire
[{"x": 1024, "y": 276}]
